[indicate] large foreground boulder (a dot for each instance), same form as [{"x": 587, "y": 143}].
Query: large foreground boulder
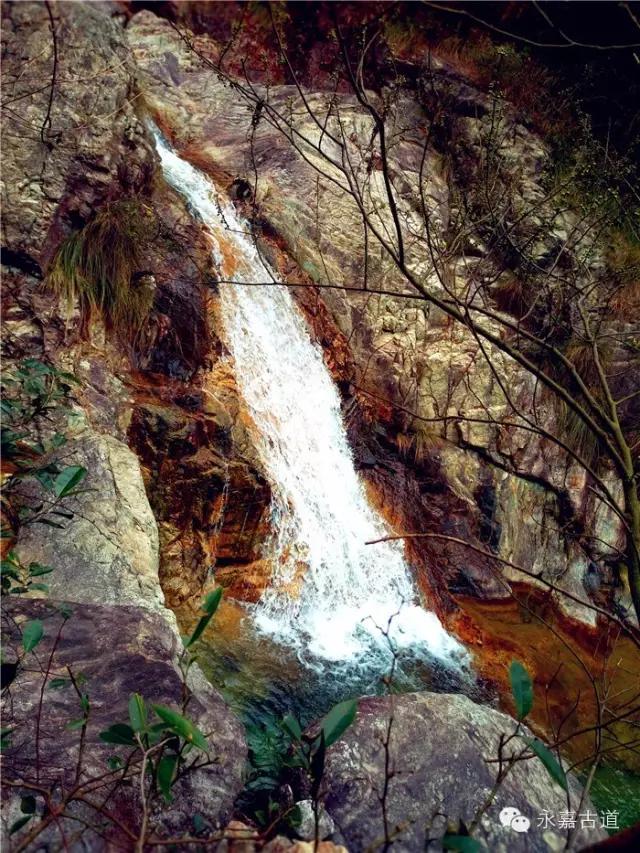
[
  {"x": 105, "y": 634},
  {"x": 439, "y": 772},
  {"x": 112, "y": 653}
]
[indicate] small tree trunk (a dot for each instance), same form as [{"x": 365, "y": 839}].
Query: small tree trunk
[{"x": 632, "y": 504}]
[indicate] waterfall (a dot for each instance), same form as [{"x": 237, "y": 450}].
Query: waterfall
[{"x": 331, "y": 595}]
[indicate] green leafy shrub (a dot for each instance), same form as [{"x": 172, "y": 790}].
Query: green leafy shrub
[
  {"x": 277, "y": 748},
  {"x": 164, "y": 736},
  {"x": 16, "y": 578},
  {"x": 35, "y": 397}
]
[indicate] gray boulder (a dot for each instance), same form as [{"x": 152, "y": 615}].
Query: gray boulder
[
  {"x": 112, "y": 652},
  {"x": 439, "y": 750},
  {"x": 108, "y": 552}
]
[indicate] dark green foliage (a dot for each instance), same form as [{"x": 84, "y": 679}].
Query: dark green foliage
[
  {"x": 16, "y": 578},
  {"x": 551, "y": 763},
  {"x": 275, "y": 749},
  {"x": 32, "y": 390},
  {"x": 521, "y": 688},
  {"x": 338, "y": 721},
  {"x": 95, "y": 267},
  {"x": 182, "y": 726},
  {"x": 209, "y": 605},
  {"x": 35, "y": 395},
  {"x": 462, "y": 843},
  {"x": 68, "y": 479},
  {"x": 32, "y": 633},
  {"x": 167, "y": 743},
  {"x": 120, "y": 734},
  {"x": 165, "y": 774}
]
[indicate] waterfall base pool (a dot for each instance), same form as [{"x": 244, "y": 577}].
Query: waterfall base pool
[{"x": 263, "y": 680}]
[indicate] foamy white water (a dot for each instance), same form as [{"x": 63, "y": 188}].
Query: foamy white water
[{"x": 330, "y": 593}]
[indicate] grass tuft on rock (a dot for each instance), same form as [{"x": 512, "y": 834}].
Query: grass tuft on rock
[{"x": 97, "y": 267}]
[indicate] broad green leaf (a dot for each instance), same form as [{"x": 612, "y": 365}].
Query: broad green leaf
[
  {"x": 338, "y": 720},
  {"x": 199, "y": 630},
  {"x": 32, "y": 634},
  {"x": 137, "y": 713},
  {"x": 68, "y": 479},
  {"x": 65, "y": 611},
  {"x": 212, "y": 601},
  {"x": 119, "y": 733},
  {"x": 40, "y": 587},
  {"x": 74, "y": 725},
  {"x": 317, "y": 767},
  {"x": 58, "y": 440},
  {"x": 9, "y": 570},
  {"x": 521, "y": 688},
  {"x": 165, "y": 773},
  {"x": 35, "y": 365},
  {"x": 114, "y": 762},
  {"x": 5, "y": 737},
  {"x": 20, "y": 823},
  {"x": 69, "y": 377},
  {"x": 45, "y": 479},
  {"x": 36, "y": 447},
  {"x": 57, "y": 683},
  {"x": 463, "y": 844},
  {"x": 551, "y": 763},
  {"x": 182, "y": 726},
  {"x": 199, "y": 824},
  {"x": 37, "y": 569},
  {"x": 292, "y": 726}
]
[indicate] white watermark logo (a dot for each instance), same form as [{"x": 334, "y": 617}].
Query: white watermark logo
[
  {"x": 585, "y": 820},
  {"x": 511, "y": 817}
]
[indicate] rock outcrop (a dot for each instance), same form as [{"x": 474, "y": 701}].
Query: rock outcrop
[
  {"x": 111, "y": 653},
  {"x": 414, "y": 381},
  {"x": 72, "y": 139},
  {"x": 75, "y": 145},
  {"x": 106, "y": 625},
  {"x": 176, "y": 493},
  {"x": 440, "y": 770},
  {"x": 108, "y": 553}
]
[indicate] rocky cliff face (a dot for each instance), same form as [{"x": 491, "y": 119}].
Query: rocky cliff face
[
  {"x": 410, "y": 374},
  {"x": 63, "y": 161},
  {"x": 178, "y": 489},
  {"x": 405, "y": 371}
]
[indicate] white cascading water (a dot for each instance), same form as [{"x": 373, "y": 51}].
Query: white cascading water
[{"x": 331, "y": 594}]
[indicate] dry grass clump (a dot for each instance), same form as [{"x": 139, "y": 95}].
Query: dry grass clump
[
  {"x": 96, "y": 267},
  {"x": 624, "y": 262}
]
